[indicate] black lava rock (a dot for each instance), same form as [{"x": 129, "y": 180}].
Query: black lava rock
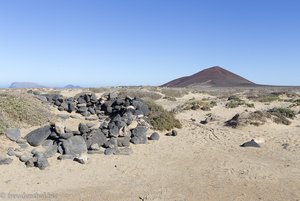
[
  {"x": 83, "y": 128},
  {"x": 95, "y": 137},
  {"x": 13, "y": 134},
  {"x": 74, "y": 145},
  {"x": 251, "y": 143},
  {"x": 154, "y": 136},
  {"x": 37, "y": 137}
]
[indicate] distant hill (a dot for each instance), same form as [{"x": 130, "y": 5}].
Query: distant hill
[
  {"x": 70, "y": 86},
  {"x": 16, "y": 85},
  {"x": 212, "y": 77}
]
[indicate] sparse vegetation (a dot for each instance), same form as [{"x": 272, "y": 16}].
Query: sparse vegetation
[
  {"x": 282, "y": 112},
  {"x": 296, "y": 102},
  {"x": 3, "y": 126},
  {"x": 250, "y": 105},
  {"x": 176, "y": 93},
  {"x": 234, "y": 98},
  {"x": 161, "y": 119},
  {"x": 98, "y": 90},
  {"x": 213, "y": 103},
  {"x": 281, "y": 115},
  {"x": 234, "y": 104},
  {"x": 169, "y": 98},
  {"x": 235, "y": 101},
  {"x": 256, "y": 118},
  {"x": 54, "y": 92},
  {"x": 194, "y": 104},
  {"x": 265, "y": 98},
  {"x": 16, "y": 109},
  {"x": 140, "y": 94}
]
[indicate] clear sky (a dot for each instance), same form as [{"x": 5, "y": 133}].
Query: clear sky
[{"x": 147, "y": 42}]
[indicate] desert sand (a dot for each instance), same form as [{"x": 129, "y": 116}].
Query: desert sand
[{"x": 203, "y": 162}]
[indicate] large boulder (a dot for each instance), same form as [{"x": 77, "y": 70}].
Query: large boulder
[
  {"x": 95, "y": 137},
  {"x": 139, "y": 135},
  {"x": 74, "y": 145},
  {"x": 37, "y": 136}
]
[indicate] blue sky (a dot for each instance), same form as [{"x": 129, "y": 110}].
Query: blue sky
[{"x": 147, "y": 42}]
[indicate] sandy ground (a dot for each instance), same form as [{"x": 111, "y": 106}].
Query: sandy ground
[{"x": 204, "y": 162}]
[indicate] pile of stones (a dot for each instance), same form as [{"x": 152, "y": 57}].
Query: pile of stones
[
  {"x": 87, "y": 104},
  {"x": 125, "y": 122}
]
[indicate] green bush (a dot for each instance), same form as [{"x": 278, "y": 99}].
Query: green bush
[
  {"x": 235, "y": 101},
  {"x": 282, "y": 112},
  {"x": 161, "y": 119},
  {"x": 281, "y": 115},
  {"x": 233, "y": 104},
  {"x": 194, "y": 104},
  {"x": 234, "y": 98}
]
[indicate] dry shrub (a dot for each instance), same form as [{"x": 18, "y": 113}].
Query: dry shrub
[
  {"x": 282, "y": 112},
  {"x": 161, "y": 119},
  {"x": 235, "y": 101},
  {"x": 193, "y": 104},
  {"x": 281, "y": 115}
]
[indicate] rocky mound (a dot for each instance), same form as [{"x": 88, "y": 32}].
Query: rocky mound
[
  {"x": 213, "y": 77},
  {"x": 123, "y": 121}
]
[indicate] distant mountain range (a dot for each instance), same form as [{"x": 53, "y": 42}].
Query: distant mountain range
[
  {"x": 17, "y": 85},
  {"x": 211, "y": 77}
]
